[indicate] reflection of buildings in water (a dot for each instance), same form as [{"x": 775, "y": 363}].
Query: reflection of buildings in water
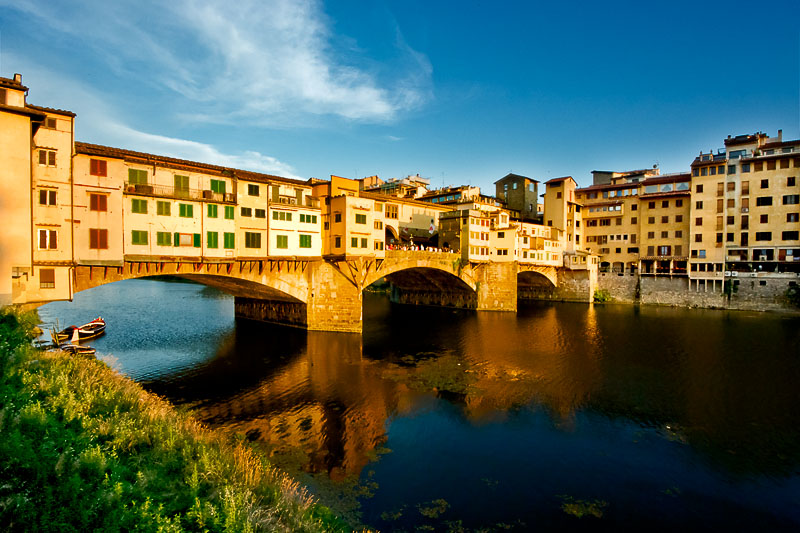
[
  {"x": 326, "y": 402},
  {"x": 552, "y": 365}
]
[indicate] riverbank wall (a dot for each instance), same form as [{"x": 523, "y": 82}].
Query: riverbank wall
[{"x": 746, "y": 293}]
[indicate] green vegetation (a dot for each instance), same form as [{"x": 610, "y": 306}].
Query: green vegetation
[
  {"x": 602, "y": 296},
  {"x": 83, "y": 448},
  {"x": 581, "y": 508}
]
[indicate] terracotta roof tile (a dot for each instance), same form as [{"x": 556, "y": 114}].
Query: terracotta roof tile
[{"x": 51, "y": 110}]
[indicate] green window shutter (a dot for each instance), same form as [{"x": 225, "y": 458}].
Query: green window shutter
[
  {"x": 212, "y": 211},
  {"x": 212, "y": 238},
  {"x": 196, "y": 240},
  {"x": 229, "y": 239},
  {"x": 181, "y": 182},
  {"x": 354, "y": 242},
  {"x": 229, "y": 212},
  {"x": 177, "y": 239},
  {"x": 190, "y": 210}
]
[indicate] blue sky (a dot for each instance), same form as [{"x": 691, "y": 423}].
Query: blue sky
[{"x": 459, "y": 92}]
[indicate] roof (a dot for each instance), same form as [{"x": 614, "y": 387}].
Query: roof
[
  {"x": 608, "y": 187},
  {"x": 667, "y": 178},
  {"x": 777, "y": 144},
  {"x": 398, "y": 200},
  {"x": 686, "y": 192},
  {"x": 51, "y": 110},
  {"x": 8, "y": 83},
  {"x": 744, "y": 139},
  {"x": 37, "y": 115},
  {"x": 515, "y": 176},
  {"x": 171, "y": 162},
  {"x": 558, "y": 180}
]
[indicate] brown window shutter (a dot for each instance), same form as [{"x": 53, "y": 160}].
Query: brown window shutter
[
  {"x": 43, "y": 239},
  {"x": 53, "y": 239},
  {"x": 93, "y": 234},
  {"x": 103, "y": 239}
]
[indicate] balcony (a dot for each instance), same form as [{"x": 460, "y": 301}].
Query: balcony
[
  {"x": 167, "y": 191},
  {"x": 308, "y": 201}
]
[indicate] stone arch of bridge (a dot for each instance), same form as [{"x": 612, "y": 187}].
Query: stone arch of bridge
[
  {"x": 238, "y": 282},
  {"x": 537, "y": 277},
  {"x": 437, "y": 274}
]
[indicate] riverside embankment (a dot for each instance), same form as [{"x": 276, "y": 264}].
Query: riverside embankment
[{"x": 83, "y": 448}]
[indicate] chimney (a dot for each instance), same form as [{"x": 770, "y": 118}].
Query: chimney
[
  {"x": 18, "y": 78},
  {"x": 780, "y": 135}
]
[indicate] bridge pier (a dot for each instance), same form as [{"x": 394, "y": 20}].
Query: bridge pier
[{"x": 497, "y": 286}]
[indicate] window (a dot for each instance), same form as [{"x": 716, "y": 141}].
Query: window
[
  {"x": 98, "y": 202},
  {"x": 211, "y": 210},
  {"x": 98, "y": 167},
  {"x": 792, "y": 217},
  {"x": 731, "y": 202},
  {"x": 665, "y": 220},
  {"x": 229, "y": 240},
  {"x": 651, "y": 220},
  {"x": 678, "y": 218},
  {"x": 698, "y": 188},
  {"x": 138, "y": 237},
  {"x": 337, "y": 217},
  {"x": 784, "y": 163},
  {"x": 218, "y": 186},
  {"x": 282, "y": 241},
  {"x": 791, "y": 199},
  {"x": 47, "y": 278},
  {"x": 765, "y": 183},
  {"x": 665, "y": 203},
  {"x": 47, "y": 158},
  {"x": 212, "y": 239},
  {"x": 361, "y": 219},
  {"x": 163, "y": 238},
  {"x": 731, "y": 169},
  {"x": 305, "y": 241},
  {"x": 337, "y": 242},
  {"x": 730, "y": 220},
  {"x": 138, "y": 206},
  {"x": 790, "y": 235},
  {"x": 229, "y": 212},
  {"x": 137, "y": 177},
  {"x": 252, "y": 190},
  {"x": 763, "y": 235},
  {"x": 379, "y": 245},
  {"x": 678, "y": 203},
  {"x": 651, "y": 205},
  {"x": 49, "y": 123},
  {"x": 678, "y": 234},
  {"x": 47, "y": 197},
  {"x": 363, "y": 242},
  {"x": 745, "y": 167},
  {"x": 771, "y": 165},
  {"x": 181, "y": 183},
  {"x": 651, "y": 234},
  {"x": 764, "y": 200},
  {"x": 698, "y": 237},
  {"x": 745, "y": 187},
  {"x": 378, "y": 224},
  {"x": 763, "y": 219},
  {"x": 98, "y": 239},
  {"x": 186, "y": 210},
  {"x": 698, "y": 221},
  {"x": 605, "y": 194},
  {"x": 790, "y": 182},
  {"x": 186, "y": 239},
  {"x": 634, "y": 207},
  {"x": 261, "y": 213},
  {"x": 634, "y": 220},
  {"x": 354, "y": 242},
  {"x": 698, "y": 204},
  {"x": 745, "y": 221},
  {"x": 391, "y": 211},
  {"x": 247, "y": 212},
  {"x": 252, "y": 240},
  {"x": 665, "y": 235},
  {"x": 731, "y": 186}
]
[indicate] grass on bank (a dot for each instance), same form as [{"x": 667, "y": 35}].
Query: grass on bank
[{"x": 83, "y": 448}]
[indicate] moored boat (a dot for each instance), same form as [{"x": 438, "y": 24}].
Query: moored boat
[{"x": 74, "y": 334}]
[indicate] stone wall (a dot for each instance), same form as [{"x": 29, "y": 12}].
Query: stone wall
[
  {"x": 574, "y": 286},
  {"x": 334, "y": 303},
  {"x": 621, "y": 287},
  {"x": 278, "y": 312},
  {"x": 497, "y": 286}
]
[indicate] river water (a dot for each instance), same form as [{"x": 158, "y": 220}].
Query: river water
[{"x": 560, "y": 416}]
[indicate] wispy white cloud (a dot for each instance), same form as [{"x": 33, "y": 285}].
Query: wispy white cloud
[
  {"x": 99, "y": 122},
  {"x": 259, "y": 62}
]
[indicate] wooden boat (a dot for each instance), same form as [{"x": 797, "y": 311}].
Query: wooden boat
[
  {"x": 77, "y": 349},
  {"x": 75, "y": 334}
]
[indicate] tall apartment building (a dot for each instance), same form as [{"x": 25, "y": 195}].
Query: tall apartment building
[
  {"x": 746, "y": 211},
  {"x": 562, "y": 211}
]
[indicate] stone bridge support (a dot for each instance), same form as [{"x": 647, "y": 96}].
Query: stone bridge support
[{"x": 496, "y": 286}]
